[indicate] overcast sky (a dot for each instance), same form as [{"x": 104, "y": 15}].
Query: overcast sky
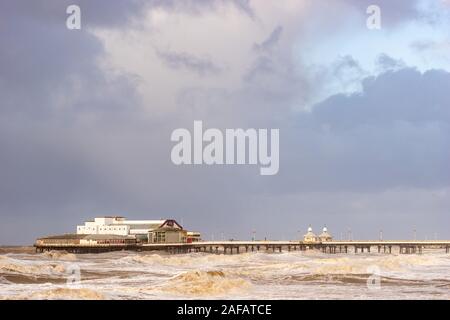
[{"x": 364, "y": 115}]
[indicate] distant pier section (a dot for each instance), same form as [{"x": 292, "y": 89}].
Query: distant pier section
[
  {"x": 82, "y": 243},
  {"x": 116, "y": 233}
]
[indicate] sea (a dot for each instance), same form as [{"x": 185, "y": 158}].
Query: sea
[{"x": 25, "y": 274}]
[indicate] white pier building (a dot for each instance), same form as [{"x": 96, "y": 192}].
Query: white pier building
[{"x": 153, "y": 231}]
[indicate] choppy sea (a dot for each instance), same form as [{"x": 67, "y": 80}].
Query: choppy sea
[{"x": 289, "y": 275}]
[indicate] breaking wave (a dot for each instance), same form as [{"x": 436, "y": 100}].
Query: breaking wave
[
  {"x": 60, "y": 255},
  {"x": 346, "y": 265},
  {"x": 136, "y": 275},
  {"x": 192, "y": 259},
  {"x": 205, "y": 283},
  {"x": 8, "y": 266}
]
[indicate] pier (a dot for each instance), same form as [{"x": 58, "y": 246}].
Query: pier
[
  {"x": 331, "y": 247},
  {"x": 116, "y": 233},
  {"x": 236, "y": 247}
]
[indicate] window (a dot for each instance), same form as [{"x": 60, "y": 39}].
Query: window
[{"x": 160, "y": 237}]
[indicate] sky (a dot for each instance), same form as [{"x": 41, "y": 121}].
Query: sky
[{"x": 364, "y": 115}]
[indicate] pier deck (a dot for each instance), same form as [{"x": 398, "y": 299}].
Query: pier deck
[{"x": 234, "y": 247}]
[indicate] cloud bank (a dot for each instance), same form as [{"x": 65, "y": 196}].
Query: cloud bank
[{"x": 86, "y": 116}]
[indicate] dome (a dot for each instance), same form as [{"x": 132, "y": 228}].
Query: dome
[
  {"x": 325, "y": 236},
  {"x": 310, "y": 236}
]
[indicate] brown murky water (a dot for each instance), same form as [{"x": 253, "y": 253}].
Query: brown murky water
[{"x": 295, "y": 275}]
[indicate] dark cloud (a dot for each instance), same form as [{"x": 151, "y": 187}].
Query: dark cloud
[
  {"x": 395, "y": 133},
  {"x": 48, "y": 70},
  {"x": 70, "y": 131},
  {"x": 101, "y": 13},
  {"x": 75, "y": 141},
  {"x": 106, "y": 13},
  {"x": 403, "y": 95}
]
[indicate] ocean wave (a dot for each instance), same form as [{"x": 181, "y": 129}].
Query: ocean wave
[
  {"x": 205, "y": 283},
  {"x": 144, "y": 275},
  {"x": 60, "y": 255},
  {"x": 360, "y": 264},
  {"x": 191, "y": 259},
  {"x": 8, "y": 266},
  {"x": 3, "y": 280},
  {"x": 61, "y": 294}
]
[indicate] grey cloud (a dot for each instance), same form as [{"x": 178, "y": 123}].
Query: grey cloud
[
  {"x": 271, "y": 41},
  {"x": 438, "y": 49},
  {"x": 347, "y": 71},
  {"x": 75, "y": 144},
  {"x": 423, "y": 45},
  {"x": 71, "y": 131},
  {"x": 421, "y": 98},
  {"x": 182, "y": 60},
  {"x": 385, "y": 63},
  {"x": 271, "y": 76},
  {"x": 93, "y": 13},
  {"x": 392, "y": 12},
  {"x": 202, "y": 6},
  {"x": 106, "y": 13},
  {"x": 393, "y": 134},
  {"x": 245, "y": 6},
  {"x": 346, "y": 63},
  {"x": 44, "y": 64}
]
